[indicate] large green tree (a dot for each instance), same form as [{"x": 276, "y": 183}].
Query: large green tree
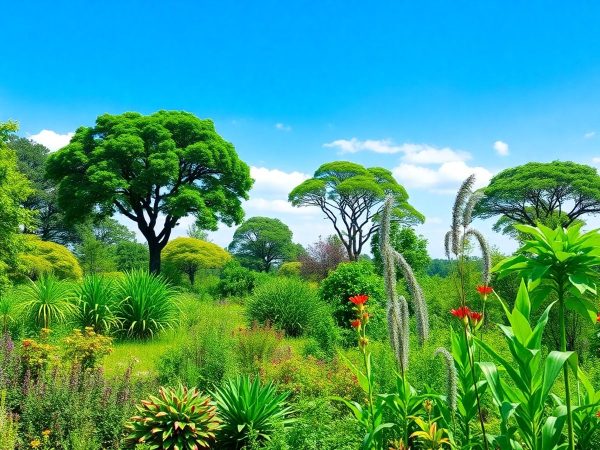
[
  {"x": 48, "y": 221},
  {"x": 188, "y": 255},
  {"x": 14, "y": 190},
  {"x": 352, "y": 196},
  {"x": 554, "y": 193},
  {"x": 262, "y": 243},
  {"x": 154, "y": 170}
]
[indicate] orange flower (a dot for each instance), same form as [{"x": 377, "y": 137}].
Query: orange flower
[
  {"x": 462, "y": 312},
  {"x": 484, "y": 290},
  {"x": 355, "y": 323},
  {"x": 475, "y": 317},
  {"x": 598, "y": 414},
  {"x": 359, "y": 299},
  {"x": 598, "y": 318}
]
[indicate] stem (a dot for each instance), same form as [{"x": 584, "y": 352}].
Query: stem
[
  {"x": 472, "y": 364},
  {"x": 563, "y": 348}
]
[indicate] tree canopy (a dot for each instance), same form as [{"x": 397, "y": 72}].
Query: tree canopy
[
  {"x": 554, "y": 193},
  {"x": 14, "y": 191},
  {"x": 188, "y": 255},
  {"x": 45, "y": 257},
  {"x": 262, "y": 243},
  {"x": 154, "y": 170},
  {"x": 352, "y": 196},
  {"x": 407, "y": 242}
]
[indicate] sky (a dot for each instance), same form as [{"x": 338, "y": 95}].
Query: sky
[{"x": 432, "y": 91}]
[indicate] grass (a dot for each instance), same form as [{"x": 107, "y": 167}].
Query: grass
[{"x": 146, "y": 353}]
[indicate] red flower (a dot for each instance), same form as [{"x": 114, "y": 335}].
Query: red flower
[
  {"x": 484, "y": 290},
  {"x": 475, "y": 317},
  {"x": 598, "y": 414},
  {"x": 359, "y": 299},
  {"x": 461, "y": 312},
  {"x": 355, "y": 323},
  {"x": 598, "y": 318}
]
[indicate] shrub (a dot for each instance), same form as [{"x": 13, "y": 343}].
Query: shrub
[
  {"x": 45, "y": 257},
  {"x": 290, "y": 269},
  {"x": 186, "y": 255},
  {"x": 176, "y": 419},
  {"x": 249, "y": 410},
  {"x": 288, "y": 303},
  {"x": 36, "y": 355},
  {"x": 351, "y": 279},
  {"x": 47, "y": 301},
  {"x": 97, "y": 304},
  {"x": 148, "y": 305},
  {"x": 8, "y": 425},
  {"x": 86, "y": 349},
  {"x": 256, "y": 345},
  {"x": 235, "y": 280}
]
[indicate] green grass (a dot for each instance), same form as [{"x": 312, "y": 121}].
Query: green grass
[{"x": 146, "y": 353}]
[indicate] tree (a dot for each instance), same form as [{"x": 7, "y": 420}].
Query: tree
[
  {"x": 194, "y": 231},
  {"x": 130, "y": 255},
  {"x": 555, "y": 193},
  {"x": 352, "y": 196},
  {"x": 154, "y": 170},
  {"x": 46, "y": 257},
  {"x": 48, "y": 221},
  {"x": 406, "y": 242},
  {"x": 188, "y": 255},
  {"x": 322, "y": 257},
  {"x": 14, "y": 190},
  {"x": 262, "y": 242}
]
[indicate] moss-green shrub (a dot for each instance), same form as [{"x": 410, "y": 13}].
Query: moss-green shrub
[
  {"x": 288, "y": 303},
  {"x": 45, "y": 257},
  {"x": 235, "y": 280},
  {"x": 290, "y": 269}
]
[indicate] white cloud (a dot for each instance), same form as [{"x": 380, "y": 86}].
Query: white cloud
[
  {"x": 52, "y": 139},
  {"x": 501, "y": 148},
  {"x": 283, "y": 127},
  {"x": 274, "y": 182},
  {"x": 448, "y": 175},
  {"x": 589, "y": 135}
]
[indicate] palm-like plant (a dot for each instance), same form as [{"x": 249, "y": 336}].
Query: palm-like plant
[
  {"x": 7, "y": 312},
  {"x": 97, "y": 304},
  {"x": 147, "y": 304},
  {"x": 47, "y": 301},
  {"x": 563, "y": 261},
  {"x": 249, "y": 409}
]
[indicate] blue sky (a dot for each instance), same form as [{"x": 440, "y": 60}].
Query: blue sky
[{"x": 426, "y": 89}]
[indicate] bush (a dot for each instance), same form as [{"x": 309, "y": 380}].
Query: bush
[
  {"x": 176, "y": 419},
  {"x": 288, "y": 303},
  {"x": 250, "y": 411},
  {"x": 290, "y": 269},
  {"x": 47, "y": 301},
  {"x": 255, "y": 346},
  {"x": 45, "y": 257},
  {"x": 86, "y": 349},
  {"x": 351, "y": 279},
  {"x": 148, "y": 305},
  {"x": 235, "y": 280},
  {"x": 97, "y": 304}
]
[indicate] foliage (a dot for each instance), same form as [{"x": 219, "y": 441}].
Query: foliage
[
  {"x": 36, "y": 355},
  {"x": 290, "y": 269},
  {"x": 131, "y": 256},
  {"x": 47, "y": 301},
  {"x": 255, "y": 346},
  {"x": 97, "y": 304},
  {"x": 8, "y": 312},
  {"x": 177, "y": 419},
  {"x": 86, "y": 349},
  {"x": 169, "y": 163},
  {"x": 249, "y": 409},
  {"x": 553, "y": 194},
  {"x": 322, "y": 257},
  {"x": 14, "y": 190},
  {"x": 235, "y": 280},
  {"x": 188, "y": 255},
  {"x": 288, "y": 303},
  {"x": 351, "y": 279},
  {"x": 147, "y": 306},
  {"x": 9, "y": 425},
  {"x": 262, "y": 243},
  {"x": 351, "y": 197},
  {"x": 530, "y": 378},
  {"x": 409, "y": 244},
  {"x": 48, "y": 258}
]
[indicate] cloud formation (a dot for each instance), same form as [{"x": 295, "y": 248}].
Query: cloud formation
[
  {"x": 51, "y": 139},
  {"x": 445, "y": 177},
  {"x": 589, "y": 135},
  {"x": 501, "y": 148},
  {"x": 283, "y": 127}
]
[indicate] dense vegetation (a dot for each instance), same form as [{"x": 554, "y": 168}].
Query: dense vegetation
[{"x": 108, "y": 343}]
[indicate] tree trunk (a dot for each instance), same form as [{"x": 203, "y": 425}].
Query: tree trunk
[{"x": 154, "y": 249}]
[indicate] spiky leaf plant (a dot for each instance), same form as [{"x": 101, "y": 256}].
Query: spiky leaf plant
[
  {"x": 249, "y": 409},
  {"x": 178, "y": 418},
  {"x": 47, "y": 301},
  {"x": 97, "y": 304}
]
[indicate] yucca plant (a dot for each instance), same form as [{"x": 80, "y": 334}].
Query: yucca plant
[
  {"x": 97, "y": 304},
  {"x": 249, "y": 410},
  {"x": 563, "y": 261},
  {"x": 180, "y": 418},
  {"x": 47, "y": 301},
  {"x": 147, "y": 304}
]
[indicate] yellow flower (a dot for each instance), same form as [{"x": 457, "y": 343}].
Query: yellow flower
[
  {"x": 36, "y": 443},
  {"x": 46, "y": 433}
]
